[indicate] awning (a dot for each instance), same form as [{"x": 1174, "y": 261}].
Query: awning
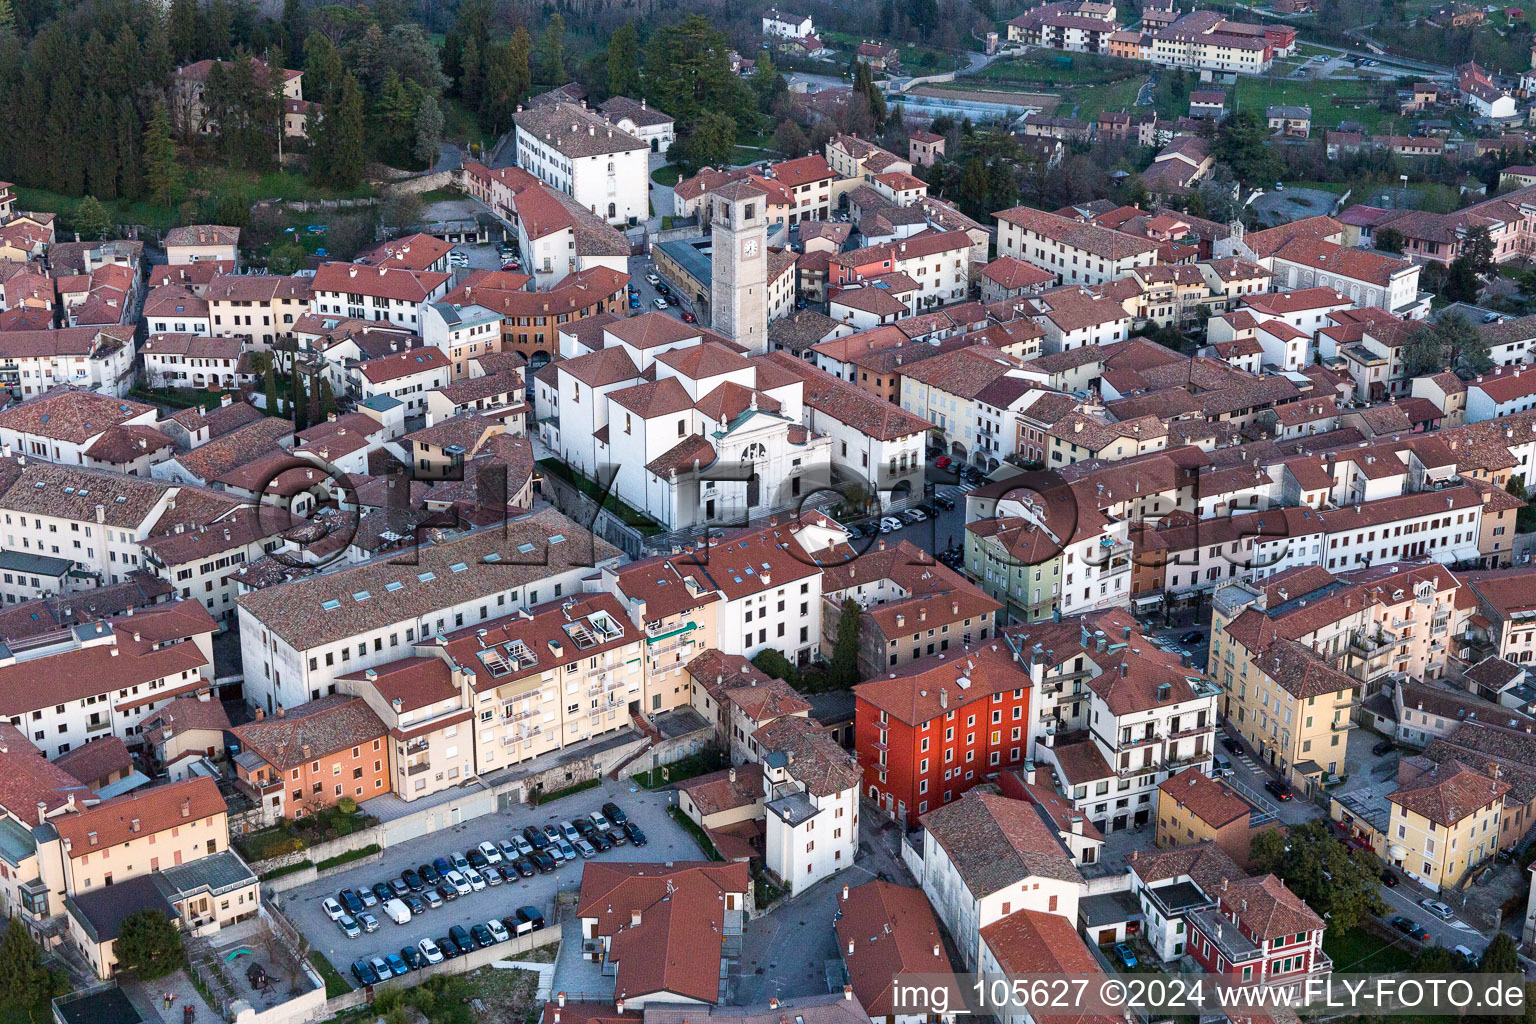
[
  {"x": 1142, "y": 600},
  {"x": 1308, "y": 768}
]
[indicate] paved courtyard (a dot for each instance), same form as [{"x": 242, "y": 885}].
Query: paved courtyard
[{"x": 647, "y": 809}]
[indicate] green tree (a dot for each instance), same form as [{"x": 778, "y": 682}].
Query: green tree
[
  {"x": 1340, "y": 884},
  {"x": 300, "y": 401},
  {"x": 286, "y": 258},
  {"x": 327, "y": 407},
  {"x": 552, "y": 60},
  {"x": 162, "y": 171},
  {"x": 1501, "y": 956},
  {"x": 1438, "y": 960},
  {"x": 90, "y": 218},
  {"x": 149, "y": 944},
  {"x": 688, "y": 72},
  {"x": 506, "y": 79},
  {"x": 341, "y": 142},
  {"x": 269, "y": 389},
  {"x": 322, "y": 65},
  {"x": 1452, "y": 342},
  {"x": 295, "y": 30},
  {"x": 1391, "y": 240},
  {"x": 845, "y": 653},
  {"x": 1477, "y": 250},
  {"x": 472, "y": 72},
  {"x": 776, "y": 666},
  {"x": 708, "y": 143},
  {"x": 624, "y": 61},
  {"x": 789, "y": 139},
  {"x": 429, "y": 130},
  {"x": 23, "y": 978},
  {"x": 1241, "y": 143}
]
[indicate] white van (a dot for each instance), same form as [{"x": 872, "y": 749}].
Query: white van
[{"x": 398, "y": 912}]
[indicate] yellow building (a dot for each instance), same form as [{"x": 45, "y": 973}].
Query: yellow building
[
  {"x": 1290, "y": 704},
  {"x": 1194, "y": 808},
  {"x": 676, "y": 609},
  {"x": 1444, "y": 822}
]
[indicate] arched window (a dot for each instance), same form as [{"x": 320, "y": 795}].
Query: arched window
[
  {"x": 754, "y": 452},
  {"x": 613, "y": 211}
]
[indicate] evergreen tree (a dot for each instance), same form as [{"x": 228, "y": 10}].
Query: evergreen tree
[
  {"x": 470, "y": 76},
  {"x": 185, "y": 29},
  {"x": 322, "y": 65},
  {"x": 300, "y": 402},
  {"x": 90, "y": 219},
  {"x": 1501, "y": 956},
  {"x": 341, "y": 143},
  {"x": 327, "y": 399},
  {"x": 623, "y": 61},
  {"x": 506, "y": 80},
  {"x": 269, "y": 388},
  {"x": 552, "y": 61},
  {"x": 429, "y": 130},
  {"x": 845, "y": 653},
  {"x": 7, "y": 18},
  {"x": 295, "y": 32},
  {"x": 397, "y": 115},
  {"x": 23, "y": 978},
  {"x": 149, "y": 945},
  {"x": 1340, "y": 884}
]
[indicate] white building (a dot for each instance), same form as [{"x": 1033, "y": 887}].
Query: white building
[
  {"x": 641, "y": 120},
  {"x": 194, "y": 361},
  {"x": 787, "y": 25},
  {"x": 1077, "y": 253},
  {"x": 461, "y": 332},
  {"x": 407, "y": 376},
  {"x": 297, "y": 638},
  {"x": 986, "y": 857},
  {"x": 63, "y": 425},
  {"x": 1502, "y": 392},
  {"x": 376, "y": 293},
  {"x": 99, "y": 358},
  {"x": 811, "y": 801},
  {"x": 579, "y": 152}
]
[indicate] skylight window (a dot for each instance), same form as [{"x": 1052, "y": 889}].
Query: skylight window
[
  {"x": 458, "y": 567},
  {"x": 392, "y": 587},
  {"x": 558, "y": 538},
  {"x": 331, "y": 605},
  {"x": 361, "y": 595},
  {"x": 425, "y": 576}
]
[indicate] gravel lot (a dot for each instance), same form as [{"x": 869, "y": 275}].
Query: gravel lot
[{"x": 647, "y": 809}]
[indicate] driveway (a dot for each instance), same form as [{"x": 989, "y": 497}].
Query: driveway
[
  {"x": 787, "y": 952},
  {"x": 639, "y": 267},
  {"x": 647, "y": 809}
]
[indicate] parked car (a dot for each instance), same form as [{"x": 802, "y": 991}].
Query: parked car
[
  {"x": 1221, "y": 765},
  {"x": 634, "y": 302},
  {"x": 1277, "y": 789},
  {"x": 536, "y": 838},
  {"x": 460, "y": 862},
  {"x": 429, "y": 874},
  {"x": 943, "y": 462},
  {"x": 442, "y": 867},
  {"x": 381, "y": 968},
  {"x": 432, "y": 897},
  {"x": 412, "y": 880},
  {"x": 398, "y": 912},
  {"x": 583, "y": 828},
  {"x": 489, "y": 851},
  {"x": 397, "y": 966},
  {"x": 586, "y": 849},
  {"x": 1192, "y": 637},
  {"x": 413, "y": 957},
  {"x": 368, "y": 922},
  {"x": 615, "y": 813},
  {"x": 415, "y": 903},
  {"x": 398, "y": 887},
  {"x": 555, "y": 853},
  {"x": 461, "y": 937},
  {"x": 459, "y": 881},
  {"x": 476, "y": 859},
  {"x": 476, "y": 879},
  {"x": 1125, "y": 954},
  {"x": 543, "y": 862},
  {"x": 636, "y": 836},
  {"x": 483, "y": 936},
  {"x": 598, "y": 821},
  {"x": 659, "y": 303},
  {"x": 1231, "y": 745},
  {"x": 569, "y": 832},
  {"x": 348, "y": 926},
  {"x": 508, "y": 851},
  {"x": 363, "y": 971},
  {"x": 350, "y": 900},
  {"x": 914, "y": 515},
  {"x": 447, "y": 892},
  {"x": 521, "y": 845},
  {"x": 944, "y": 502},
  {"x": 616, "y": 836},
  {"x": 1389, "y": 878},
  {"x": 369, "y": 897},
  {"x": 383, "y": 892},
  {"x": 653, "y": 279},
  {"x": 1440, "y": 910},
  {"x": 429, "y": 951},
  {"x": 532, "y": 915},
  {"x": 493, "y": 875},
  {"x": 524, "y": 867},
  {"x": 601, "y": 842},
  {"x": 689, "y": 318},
  {"x": 1408, "y": 926},
  {"x": 890, "y": 523},
  {"x": 450, "y": 949},
  {"x": 1466, "y": 954},
  {"x": 1384, "y": 747},
  {"x": 498, "y": 931},
  {"x": 332, "y": 909}
]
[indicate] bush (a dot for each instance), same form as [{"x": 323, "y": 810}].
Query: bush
[
  {"x": 149, "y": 944},
  {"x": 350, "y": 855},
  {"x": 346, "y": 805}
]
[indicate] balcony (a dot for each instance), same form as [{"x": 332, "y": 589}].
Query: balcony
[
  {"x": 417, "y": 747},
  {"x": 1135, "y": 770},
  {"x": 1194, "y": 730},
  {"x": 418, "y": 768},
  {"x": 96, "y": 727},
  {"x": 1132, "y": 742}
]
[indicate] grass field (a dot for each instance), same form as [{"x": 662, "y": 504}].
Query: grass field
[
  {"x": 1258, "y": 93},
  {"x": 1088, "y": 101},
  {"x": 1357, "y": 951},
  {"x": 1433, "y": 196},
  {"x": 1041, "y": 68}
]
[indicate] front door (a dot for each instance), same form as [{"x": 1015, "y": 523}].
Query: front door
[{"x": 753, "y": 490}]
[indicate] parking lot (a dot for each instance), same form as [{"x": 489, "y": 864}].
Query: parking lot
[{"x": 666, "y": 841}]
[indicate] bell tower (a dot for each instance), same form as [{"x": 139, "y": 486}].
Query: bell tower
[{"x": 738, "y": 287}]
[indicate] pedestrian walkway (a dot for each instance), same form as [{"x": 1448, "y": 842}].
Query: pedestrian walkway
[
  {"x": 546, "y": 973},
  {"x": 580, "y": 979}
]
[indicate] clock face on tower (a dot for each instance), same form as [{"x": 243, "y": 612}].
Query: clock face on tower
[{"x": 749, "y": 247}]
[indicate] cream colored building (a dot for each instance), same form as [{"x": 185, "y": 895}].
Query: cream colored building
[
  {"x": 424, "y": 703},
  {"x": 1444, "y": 822},
  {"x": 676, "y": 610}
]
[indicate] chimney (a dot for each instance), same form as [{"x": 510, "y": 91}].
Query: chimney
[
  {"x": 634, "y": 918},
  {"x": 186, "y": 808},
  {"x": 943, "y": 697},
  {"x": 618, "y": 1004},
  {"x": 773, "y": 1002},
  {"x": 937, "y": 949},
  {"x": 847, "y": 991},
  {"x": 133, "y": 826},
  {"x": 733, "y": 774},
  {"x": 42, "y": 813},
  {"x": 845, "y": 892},
  {"x": 559, "y": 998},
  {"x": 306, "y": 749},
  {"x": 850, "y": 947}
]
